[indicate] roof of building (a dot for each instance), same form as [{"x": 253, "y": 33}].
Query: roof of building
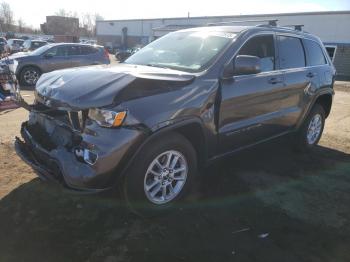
[{"x": 236, "y": 16}]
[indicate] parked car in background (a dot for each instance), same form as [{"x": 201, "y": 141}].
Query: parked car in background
[
  {"x": 3, "y": 44},
  {"x": 122, "y": 54},
  {"x": 178, "y": 104},
  {"x": 14, "y": 45},
  {"x": 31, "y": 65},
  {"x": 31, "y": 45},
  {"x": 88, "y": 42}
]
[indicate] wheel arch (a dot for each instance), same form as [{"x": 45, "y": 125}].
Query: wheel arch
[
  {"x": 191, "y": 129},
  {"x": 325, "y": 100}
]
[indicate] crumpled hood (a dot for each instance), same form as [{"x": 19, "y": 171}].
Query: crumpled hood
[{"x": 99, "y": 86}]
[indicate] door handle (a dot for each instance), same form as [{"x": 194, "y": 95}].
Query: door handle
[
  {"x": 274, "y": 80},
  {"x": 310, "y": 75}
]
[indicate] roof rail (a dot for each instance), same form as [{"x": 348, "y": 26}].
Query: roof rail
[
  {"x": 296, "y": 27},
  {"x": 271, "y": 22}
]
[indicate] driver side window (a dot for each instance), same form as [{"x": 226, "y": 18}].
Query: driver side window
[
  {"x": 262, "y": 47},
  {"x": 57, "y": 51}
]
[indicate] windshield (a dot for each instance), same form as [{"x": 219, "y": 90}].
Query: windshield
[
  {"x": 190, "y": 51},
  {"x": 41, "y": 50}
]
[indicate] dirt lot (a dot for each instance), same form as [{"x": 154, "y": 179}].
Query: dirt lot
[{"x": 264, "y": 204}]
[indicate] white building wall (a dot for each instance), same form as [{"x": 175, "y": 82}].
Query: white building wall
[{"x": 333, "y": 27}]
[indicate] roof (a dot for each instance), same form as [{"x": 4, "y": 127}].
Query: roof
[
  {"x": 344, "y": 12},
  {"x": 239, "y": 29},
  {"x": 58, "y": 44}
]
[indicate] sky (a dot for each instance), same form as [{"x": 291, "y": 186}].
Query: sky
[{"x": 33, "y": 12}]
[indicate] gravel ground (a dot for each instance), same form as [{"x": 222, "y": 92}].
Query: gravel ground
[{"x": 264, "y": 204}]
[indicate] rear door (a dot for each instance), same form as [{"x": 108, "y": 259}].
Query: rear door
[
  {"x": 250, "y": 109},
  {"x": 75, "y": 55},
  {"x": 81, "y": 55},
  {"x": 317, "y": 64},
  {"x": 298, "y": 78}
]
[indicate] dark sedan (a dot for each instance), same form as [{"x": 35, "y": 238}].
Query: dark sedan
[{"x": 31, "y": 65}]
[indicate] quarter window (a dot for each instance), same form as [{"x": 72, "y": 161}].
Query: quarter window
[
  {"x": 314, "y": 53},
  {"x": 262, "y": 47},
  {"x": 291, "y": 52},
  {"x": 331, "y": 50}
]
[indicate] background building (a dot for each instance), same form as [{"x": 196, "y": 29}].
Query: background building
[
  {"x": 332, "y": 27},
  {"x": 60, "y": 25}
]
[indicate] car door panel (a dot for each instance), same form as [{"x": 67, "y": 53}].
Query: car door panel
[
  {"x": 251, "y": 108},
  {"x": 299, "y": 80},
  {"x": 58, "y": 59}
]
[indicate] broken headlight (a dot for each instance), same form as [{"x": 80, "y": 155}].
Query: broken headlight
[{"x": 107, "y": 118}]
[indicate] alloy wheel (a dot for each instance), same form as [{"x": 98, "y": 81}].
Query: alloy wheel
[
  {"x": 314, "y": 130},
  {"x": 165, "y": 177}
]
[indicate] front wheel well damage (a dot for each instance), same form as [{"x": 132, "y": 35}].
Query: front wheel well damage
[{"x": 326, "y": 102}]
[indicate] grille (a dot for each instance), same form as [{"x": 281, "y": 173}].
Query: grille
[{"x": 78, "y": 119}]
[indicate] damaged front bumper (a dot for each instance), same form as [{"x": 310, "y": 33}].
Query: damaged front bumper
[{"x": 67, "y": 165}]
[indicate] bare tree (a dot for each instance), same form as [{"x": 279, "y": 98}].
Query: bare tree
[
  {"x": 21, "y": 25},
  {"x": 88, "y": 22},
  {"x": 63, "y": 12},
  {"x": 6, "y": 16}
]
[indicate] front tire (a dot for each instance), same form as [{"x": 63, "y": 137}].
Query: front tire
[
  {"x": 311, "y": 131},
  {"x": 29, "y": 76},
  {"x": 161, "y": 175}
]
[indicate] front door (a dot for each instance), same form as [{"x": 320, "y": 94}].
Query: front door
[
  {"x": 56, "y": 58},
  {"x": 250, "y": 108}
]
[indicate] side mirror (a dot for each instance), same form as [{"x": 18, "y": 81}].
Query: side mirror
[
  {"x": 48, "y": 56},
  {"x": 247, "y": 65}
]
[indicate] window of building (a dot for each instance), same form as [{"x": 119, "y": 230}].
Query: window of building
[
  {"x": 291, "y": 52},
  {"x": 262, "y": 47}
]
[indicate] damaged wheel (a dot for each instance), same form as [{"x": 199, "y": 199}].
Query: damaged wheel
[{"x": 161, "y": 175}]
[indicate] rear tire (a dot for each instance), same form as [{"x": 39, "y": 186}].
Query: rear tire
[
  {"x": 150, "y": 188},
  {"x": 311, "y": 131},
  {"x": 29, "y": 76}
]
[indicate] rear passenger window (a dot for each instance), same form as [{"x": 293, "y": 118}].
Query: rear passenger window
[
  {"x": 73, "y": 50},
  {"x": 88, "y": 50},
  {"x": 291, "y": 52},
  {"x": 262, "y": 47},
  {"x": 314, "y": 53}
]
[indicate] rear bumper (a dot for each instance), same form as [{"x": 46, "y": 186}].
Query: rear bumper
[{"x": 62, "y": 166}]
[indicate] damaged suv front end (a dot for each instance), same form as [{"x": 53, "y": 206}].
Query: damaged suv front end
[
  {"x": 58, "y": 149},
  {"x": 81, "y": 130},
  {"x": 80, "y": 139}
]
